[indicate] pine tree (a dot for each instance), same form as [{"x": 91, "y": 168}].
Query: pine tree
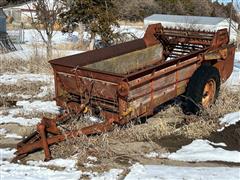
[{"x": 98, "y": 16}]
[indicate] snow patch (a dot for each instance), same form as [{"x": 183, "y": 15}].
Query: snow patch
[
  {"x": 229, "y": 119},
  {"x": 233, "y": 81},
  {"x": 142, "y": 172},
  {"x": 27, "y": 108},
  {"x": 6, "y": 154},
  {"x": 3, "y": 131},
  {"x": 203, "y": 150},
  {"x": 69, "y": 164},
  {"x": 10, "y": 79},
  {"x": 19, "y": 120},
  {"x": 39, "y": 106},
  {"x": 13, "y": 136},
  {"x": 12, "y": 171}
]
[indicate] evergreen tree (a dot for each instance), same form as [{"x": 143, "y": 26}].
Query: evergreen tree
[{"x": 98, "y": 16}]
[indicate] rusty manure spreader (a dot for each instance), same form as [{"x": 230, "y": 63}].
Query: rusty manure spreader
[{"x": 126, "y": 81}]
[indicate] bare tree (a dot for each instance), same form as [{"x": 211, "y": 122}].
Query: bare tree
[{"x": 44, "y": 20}]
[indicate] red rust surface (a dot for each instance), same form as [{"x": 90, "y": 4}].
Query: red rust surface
[{"x": 124, "y": 97}]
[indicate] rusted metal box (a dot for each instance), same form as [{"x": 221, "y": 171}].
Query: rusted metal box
[{"x": 129, "y": 80}]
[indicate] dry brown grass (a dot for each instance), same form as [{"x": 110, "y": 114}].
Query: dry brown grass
[
  {"x": 170, "y": 122},
  {"x": 35, "y": 61},
  {"x": 35, "y": 64}
]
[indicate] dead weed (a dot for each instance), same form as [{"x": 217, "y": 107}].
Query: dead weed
[{"x": 170, "y": 122}]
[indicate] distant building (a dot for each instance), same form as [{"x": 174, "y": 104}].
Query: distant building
[
  {"x": 193, "y": 22},
  {"x": 21, "y": 13}
]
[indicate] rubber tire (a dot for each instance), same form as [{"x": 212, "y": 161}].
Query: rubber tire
[{"x": 198, "y": 81}]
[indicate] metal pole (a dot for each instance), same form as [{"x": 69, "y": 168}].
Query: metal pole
[{"x": 230, "y": 22}]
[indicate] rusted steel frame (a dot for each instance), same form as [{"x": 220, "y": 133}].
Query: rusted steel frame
[
  {"x": 181, "y": 50},
  {"x": 222, "y": 47},
  {"x": 186, "y": 33},
  {"x": 190, "y": 41},
  {"x": 97, "y": 55},
  {"x": 161, "y": 73},
  {"x": 146, "y": 109},
  {"x": 186, "y": 46},
  {"x": 96, "y": 100},
  {"x": 88, "y": 84},
  {"x": 90, "y": 130},
  {"x": 110, "y": 77},
  {"x": 205, "y": 43},
  {"x": 105, "y": 106},
  {"x": 221, "y": 37},
  {"x": 79, "y": 75},
  {"x": 225, "y": 67},
  {"x": 218, "y": 53},
  {"x": 111, "y": 115},
  {"x": 184, "y": 40},
  {"x": 187, "y": 36},
  {"x": 51, "y": 125},
  {"x": 105, "y": 92},
  {"x": 41, "y": 130},
  {"x": 93, "y": 102},
  {"x": 32, "y": 138},
  {"x": 150, "y": 34},
  {"x": 157, "y": 89},
  {"x": 189, "y": 30},
  {"x": 57, "y": 83},
  {"x": 162, "y": 66}
]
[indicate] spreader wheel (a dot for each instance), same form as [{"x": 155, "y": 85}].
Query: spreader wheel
[{"x": 204, "y": 85}]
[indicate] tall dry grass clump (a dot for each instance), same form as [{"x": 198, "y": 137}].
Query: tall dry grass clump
[
  {"x": 34, "y": 64},
  {"x": 33, "y": 60}
]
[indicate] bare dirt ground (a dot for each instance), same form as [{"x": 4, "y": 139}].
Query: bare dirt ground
[{"x": 167, "y": 131}]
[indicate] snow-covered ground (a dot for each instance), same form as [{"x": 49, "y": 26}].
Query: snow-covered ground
[
  {"x": 200, "y": 151},
  {"x": 39, "y": 106},
  {"x": 7, "y": 119},
  {"x": 26, "y": 108},
  {"x": 234, "y": 80},
  {"x": 8, "y": 79},
  {"x": 203, "y": 150},
  {"x": 231, "y": 118},
  {"x": 154, "y": 172},
  {"x": 30, "y": 51},
  {"x": 42, "y": 171}
]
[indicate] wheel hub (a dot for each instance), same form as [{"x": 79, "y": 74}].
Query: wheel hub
[{"x": 209, "y": 92}]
